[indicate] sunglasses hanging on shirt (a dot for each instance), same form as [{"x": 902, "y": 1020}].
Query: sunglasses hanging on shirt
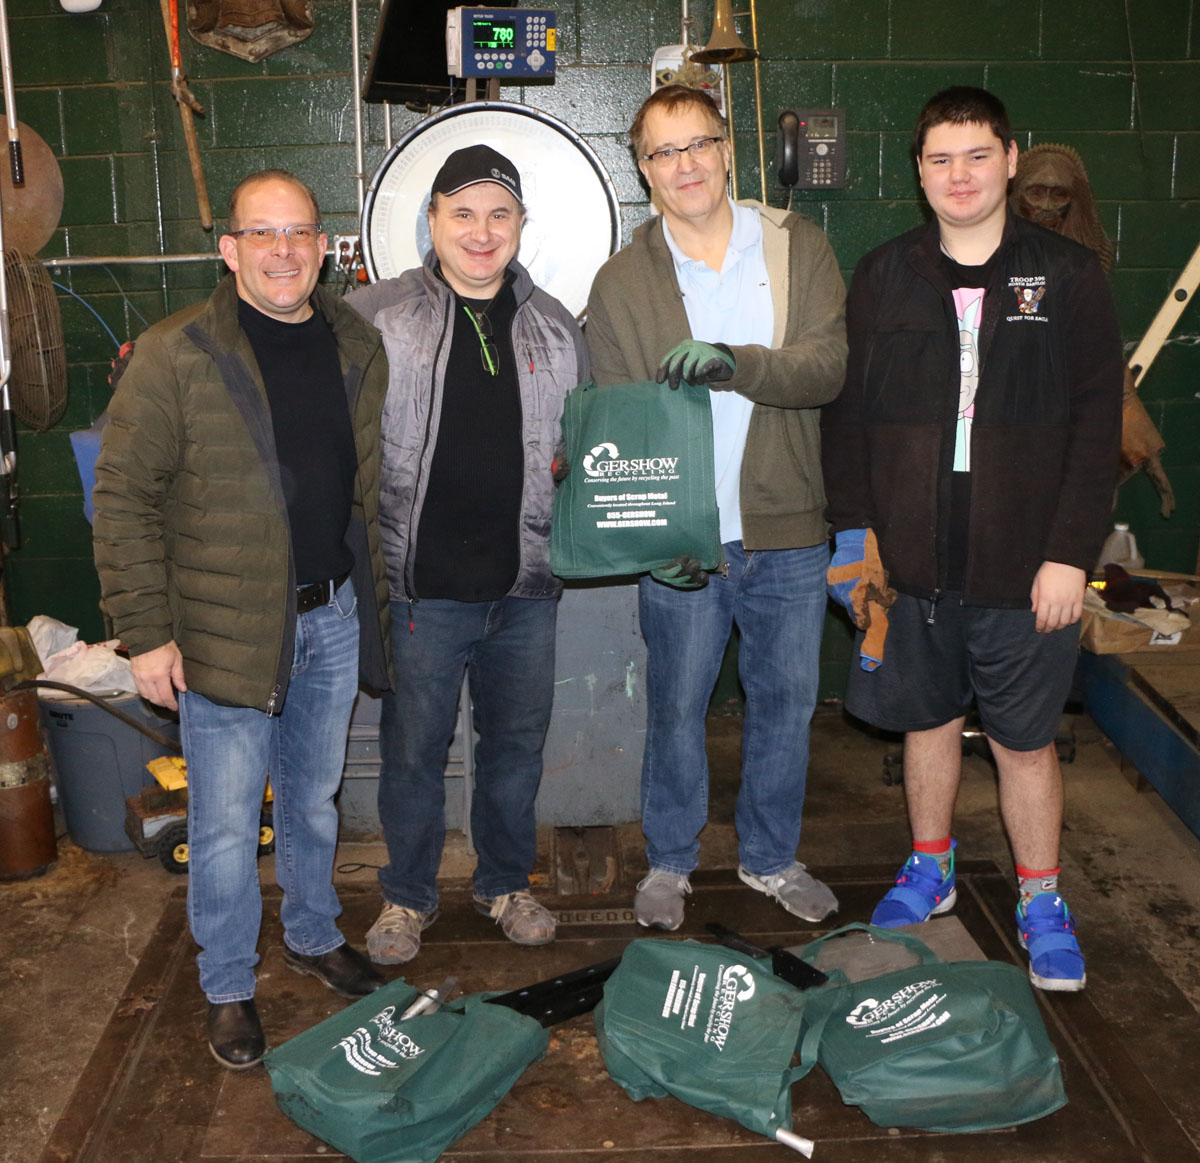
[{"x": 483, "y": 328}]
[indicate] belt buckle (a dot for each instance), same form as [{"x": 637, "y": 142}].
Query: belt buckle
[{"x": 312, "y": 596}]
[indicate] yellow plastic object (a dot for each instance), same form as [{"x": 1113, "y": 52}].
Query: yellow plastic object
[
  {"x": 169, "y": 770},
  {"x": 171, "y": 773}
]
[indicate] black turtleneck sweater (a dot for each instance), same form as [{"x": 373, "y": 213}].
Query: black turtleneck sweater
[
  {"x": 314, "y": 440},
  {"x": 468, "y": 539}
]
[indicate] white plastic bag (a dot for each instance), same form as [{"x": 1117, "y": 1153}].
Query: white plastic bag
[
  {"x": 93, "y": 668},
  {"x": 50, "y": 635}
]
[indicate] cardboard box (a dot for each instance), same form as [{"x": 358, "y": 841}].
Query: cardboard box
[{"x": 1105, "y": 632}]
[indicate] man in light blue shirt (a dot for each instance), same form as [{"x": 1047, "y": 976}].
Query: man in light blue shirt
[
  {"x": 733, "y": 306},
  {"x": 749, "y": 301}
]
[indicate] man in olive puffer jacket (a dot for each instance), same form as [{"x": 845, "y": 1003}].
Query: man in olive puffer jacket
[{"x": 238, "y": 549}]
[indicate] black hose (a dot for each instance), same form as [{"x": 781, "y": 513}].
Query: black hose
[{"x": 150, "y": 733}]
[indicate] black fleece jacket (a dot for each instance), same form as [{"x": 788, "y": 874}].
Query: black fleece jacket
[{"x": 1045, "y": 441}]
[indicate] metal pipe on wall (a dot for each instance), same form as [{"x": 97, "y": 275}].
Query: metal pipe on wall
[
  {"x": 733, "y": 174},
  {"x": 356, "y": 74},
  {"x": 126, "y": 259},
  {"x": 762, "y": 157},
  {"x": 145, "y": 260}
]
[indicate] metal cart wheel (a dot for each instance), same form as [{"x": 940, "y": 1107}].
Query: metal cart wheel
[
  {"x": 266, "y": 833},
  {"x": 173, "y": 852}
]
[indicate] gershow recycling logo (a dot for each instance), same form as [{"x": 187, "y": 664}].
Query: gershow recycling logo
[
  {"x": 369, "y": 1054},
  {"x": 605, "y": 461},
  {"x": 912, "y": 1009}
]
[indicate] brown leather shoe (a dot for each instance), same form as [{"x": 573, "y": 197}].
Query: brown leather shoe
[
  {"x": 235, "y": 1035},
  {"x": 344, "y": 970}
]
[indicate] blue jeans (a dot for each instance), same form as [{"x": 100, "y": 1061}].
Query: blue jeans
[
  {"x": 507, "y": 649},
  {"x": 229, "y": 751},
  {"x": 777, "y": 599}
]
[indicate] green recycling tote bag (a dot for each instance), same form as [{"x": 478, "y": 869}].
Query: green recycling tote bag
[
  {"x": 641, "y": 488},
  {"x": 708, "y": 1025},
  {"x": 383, "y": 1090},
  {"x": 941, "y": 1045}
]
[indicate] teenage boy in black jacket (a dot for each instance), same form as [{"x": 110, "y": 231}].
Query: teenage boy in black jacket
[{"x": 975, "y": 447}]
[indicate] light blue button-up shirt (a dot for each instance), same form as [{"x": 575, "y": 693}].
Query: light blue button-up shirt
[{"x": 731, "y": 306}]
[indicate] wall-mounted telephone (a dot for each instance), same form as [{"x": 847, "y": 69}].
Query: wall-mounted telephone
[{"x": 810, "y": 149}]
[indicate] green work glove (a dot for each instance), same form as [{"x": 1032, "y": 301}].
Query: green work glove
[
  {"x": 696, "y": 362},
  {"x": 682, "y": 572}
]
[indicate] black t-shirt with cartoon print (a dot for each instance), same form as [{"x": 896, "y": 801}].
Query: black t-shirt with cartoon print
[{"x": 967, "y": 284}]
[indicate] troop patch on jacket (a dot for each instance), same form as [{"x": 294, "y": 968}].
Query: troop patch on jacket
[{"x": 1030, "y": 291}]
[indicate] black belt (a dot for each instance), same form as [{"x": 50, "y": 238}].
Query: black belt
[{"x": 310, "y": 597}]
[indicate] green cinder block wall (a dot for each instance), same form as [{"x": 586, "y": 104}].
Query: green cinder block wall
[{"x": 1119, "y": 82}]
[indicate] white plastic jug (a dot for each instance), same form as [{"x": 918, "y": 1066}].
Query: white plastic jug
[{"x": 1120, "y": 548}]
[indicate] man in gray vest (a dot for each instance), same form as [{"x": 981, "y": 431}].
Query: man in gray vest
[{"x": 480, "y": 362}]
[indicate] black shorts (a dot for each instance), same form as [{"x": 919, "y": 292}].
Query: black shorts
[{"x": 930, "y": 674}]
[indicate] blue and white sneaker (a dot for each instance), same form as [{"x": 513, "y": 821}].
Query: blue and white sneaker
[
  {"x": 1047, "y": 931},
  {"x": 920, "y": 892}
]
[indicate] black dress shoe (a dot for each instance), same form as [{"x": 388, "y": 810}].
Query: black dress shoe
[
  {"x": 344, "y": 969},
  {"x": 235, "y": 1035}
]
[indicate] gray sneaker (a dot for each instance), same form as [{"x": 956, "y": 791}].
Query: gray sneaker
[
  {"x": 396, "y": 935},
  {"x": 524, "y": 921},
  {"x": 659, "y": 900},
  {"x": 802, "y": 895}
]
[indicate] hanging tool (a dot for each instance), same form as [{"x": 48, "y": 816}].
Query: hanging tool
[
  {"x": 16, "y": 163},
  {"x": 188, "y": 106},
  {"x": 10, "y": 532}
]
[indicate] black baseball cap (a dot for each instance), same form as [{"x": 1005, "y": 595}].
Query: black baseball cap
[{"x": 476, "y": 163}]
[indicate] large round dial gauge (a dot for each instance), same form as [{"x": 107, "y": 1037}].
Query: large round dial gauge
[{"x": 573, "y": 221}]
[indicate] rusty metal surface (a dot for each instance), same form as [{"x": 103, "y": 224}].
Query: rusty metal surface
[
  {"x": 31, "y": 211},
  {"x": 151, "y": 1091}
]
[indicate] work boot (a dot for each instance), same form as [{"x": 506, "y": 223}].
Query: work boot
[
  {"x": 344, "y": 970},
  {"x": 800, "y": 893},
  {"x": 658, "y": 903},
  {"x": 396, "y": 935},
  {"x": 235, "y": 1035},
  {"x": 524, "y": 921}
]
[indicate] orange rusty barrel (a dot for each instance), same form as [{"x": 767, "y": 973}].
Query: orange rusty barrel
[{"x": 27, "y": 846}]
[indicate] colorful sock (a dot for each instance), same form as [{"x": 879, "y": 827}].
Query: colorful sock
[
  {"x": 941, "y": 850},
  {"x": 1030, "y": 882}
]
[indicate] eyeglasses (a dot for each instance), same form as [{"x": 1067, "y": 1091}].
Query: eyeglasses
[
  {"x": 261, "y": 237},
  {"x": 699, "y": 147},
  {"x": 487, "y": 349}
]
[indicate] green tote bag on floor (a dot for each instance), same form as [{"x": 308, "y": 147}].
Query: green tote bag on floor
[
  {"x": 641, "y": 488},
  {"x": 941, "y": 1045},
  {"x": 383, "y": 1090},
  {"x": 708, "y": 1025}
]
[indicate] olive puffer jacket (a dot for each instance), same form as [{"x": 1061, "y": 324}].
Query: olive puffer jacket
[{"x": 192, "y": 540}]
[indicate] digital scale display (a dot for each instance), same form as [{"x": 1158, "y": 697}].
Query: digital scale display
[
  {"x": 504, "y": 44},
  {"x": 491, "y": 35}
]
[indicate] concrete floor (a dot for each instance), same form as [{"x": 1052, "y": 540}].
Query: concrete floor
[{"x": 1131, "y": 871}]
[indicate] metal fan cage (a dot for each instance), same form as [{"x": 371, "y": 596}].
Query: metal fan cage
[{"x": 38, "y": 383}]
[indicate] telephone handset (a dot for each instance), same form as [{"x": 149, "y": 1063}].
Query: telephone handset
[{"x": 810, "y": 150}]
